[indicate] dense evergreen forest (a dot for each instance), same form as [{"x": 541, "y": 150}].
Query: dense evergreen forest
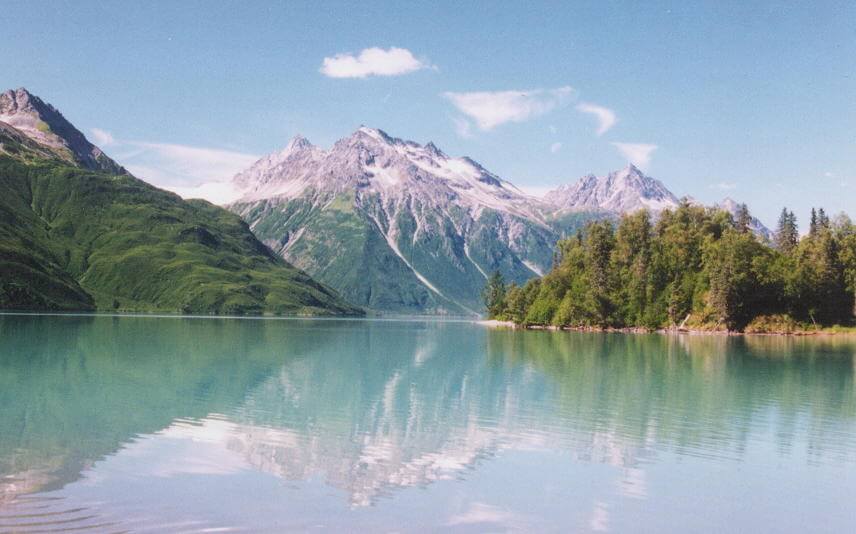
[{"x": 695, "y": 268}]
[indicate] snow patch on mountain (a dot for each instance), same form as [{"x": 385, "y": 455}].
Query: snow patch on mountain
[
  {"x": 45, "y": 125},
  {"x": 372, "y": 161},
  {"x": 459, "y": 220},
  {"x": 622, "y": 191},
  {"x": 732, "y": 206}
]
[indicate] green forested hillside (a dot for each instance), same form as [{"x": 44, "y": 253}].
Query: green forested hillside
[
  {"x": 694, "y": 267},
  {"x": 74, "y": 239}
]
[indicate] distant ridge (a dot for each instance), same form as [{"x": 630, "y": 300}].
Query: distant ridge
[
  {"x": 622, "y": 191},
  {"x": 78, "y": 233},
  {"x": 395, "y": 225},
  {"x": 45, "y": 125}
]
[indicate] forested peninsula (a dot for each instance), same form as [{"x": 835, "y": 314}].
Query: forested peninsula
[{"x": 693, "y": 268}]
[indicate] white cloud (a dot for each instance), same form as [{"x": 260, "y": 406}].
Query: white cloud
[
  {"x": 638, "y": 154},
  {"x": 480, "y": 513},
  {"x": 372, "y": 62},
  {"x": 829, "y": 174},
  {"x": 101, "y": 137},
  {"x": 189, "y": 171},
  {"x": 462, "y": 127},
  {"x": 599, "y": 521},
  {"x": 724, "y": 186},
  {"x": 490, "y": 109},
  {"x": 537, "y": 191},
  {"x": 219, "y": 193},
  {"x": 555, "y": 147},
  {"x": 183, "y": 165},
  {"x": 606, "y": 118}
]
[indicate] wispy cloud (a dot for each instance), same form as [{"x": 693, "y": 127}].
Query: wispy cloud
[
  {"x": 555, "y": 147},
  {"x": 190, "y": 171},
  {"x": 183, "y": 165},
  {"x": 606, "y": 118},
  {"x": 463, "y": 127},
  {"x": 724, "y": 186},
  {"x": 490, "y": 109},
  {"x": 638, "y": 154},
  {"x": 536, "y": 190},
  {"x": 372, "y": 62},
  {"x": 599, "y": 521},
  {"x": 480, "y": 513},
  {"x": 101, "y": 137},
  {"x": 219, "y": 193}
]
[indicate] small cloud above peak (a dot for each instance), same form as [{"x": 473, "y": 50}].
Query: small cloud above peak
[
  {"x": 101, "y": 137},
  {"x": 372, "y": 62},
  {"x": 462, "y": 127},
  {"x": 489, "y": 109},
  {"x": 606, "y": 118},
  {"x": 724, "y": 186},
  {"x": 639, "y": 154}
]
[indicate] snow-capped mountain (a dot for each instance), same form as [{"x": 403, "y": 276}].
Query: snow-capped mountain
[
  {"x": 371, "y": 161},
  {"x": 392, "y": 224},
  {"x": 757, "y": 227},
  {"x": 45, "y": 125},
  {"x": 402, "y": 227},
  {"x": 621, "y": 191}
]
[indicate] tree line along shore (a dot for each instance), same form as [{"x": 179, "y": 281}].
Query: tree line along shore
[{"x": 694, "y": 269}]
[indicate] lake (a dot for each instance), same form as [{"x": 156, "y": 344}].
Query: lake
[{"x": 212, "y": 425}]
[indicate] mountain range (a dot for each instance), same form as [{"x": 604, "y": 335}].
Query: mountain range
[
  {"x": 623, "y": 191},
  {"x": 79, "y": 233},
  {"x": 394, "y": 225},
  {"x": 380, "y": 222},
  {"x": 46, "y": 126},
  {"x": 401, "y": 227}
]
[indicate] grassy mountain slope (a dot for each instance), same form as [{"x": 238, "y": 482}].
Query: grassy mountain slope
[
  {"x": 394, "y": 225},
  {"x": 73, "y": 239},
  {"x": 345, "y": 250}
]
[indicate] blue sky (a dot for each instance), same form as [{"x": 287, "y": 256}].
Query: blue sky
[{"x": 753, "y": 100}]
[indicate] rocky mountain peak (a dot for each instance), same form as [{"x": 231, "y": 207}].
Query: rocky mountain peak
[
  {"x": 631, "y": 170},
  {"x": 432, "y": 149},
  {"x": 625, "y": 190},
  {"x": 415, "y": 229},
  {"x": 45, "y": 125},
  {"x": 733, "y": 207},
  {"x": 371, "y": 161},
  {"x": 371, "y": 136},
  {"x": 728, "y": 204},
  {"x": 14, "y": 99},
  {"x": 298, "y": 142}
]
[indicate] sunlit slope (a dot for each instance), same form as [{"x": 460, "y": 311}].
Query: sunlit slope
[{"x": 75, "y": 239}]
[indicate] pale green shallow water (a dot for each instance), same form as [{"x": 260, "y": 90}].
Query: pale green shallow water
[{"x": 177, "y": 424}]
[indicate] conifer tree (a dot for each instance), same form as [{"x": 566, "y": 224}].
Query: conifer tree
[
  {"x": 787, "y": 234},
  {"x": 822, "y": 219},
  {"x": 695, "y": 264},
  {"x": 744, "y": 219},
  {"x": 812, "y": 227},
  {"x": 494, "y": 294}
]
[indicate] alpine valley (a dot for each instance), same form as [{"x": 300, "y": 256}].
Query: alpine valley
[
  {"x": 374, "y": 222},
  {"x": 79, "y": 233},
  {"x": 400, "y": 227}
]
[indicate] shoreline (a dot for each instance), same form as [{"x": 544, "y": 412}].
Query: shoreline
[{"x": 493, "y": 323}]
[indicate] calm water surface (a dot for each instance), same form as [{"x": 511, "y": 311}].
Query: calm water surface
[{"x": 181, "y": 424}]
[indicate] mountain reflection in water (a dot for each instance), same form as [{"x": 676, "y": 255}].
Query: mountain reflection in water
[{"x": 357, "y": 411}]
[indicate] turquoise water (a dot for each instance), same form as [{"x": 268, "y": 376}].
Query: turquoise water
[{"x": 182, "y": 424}]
